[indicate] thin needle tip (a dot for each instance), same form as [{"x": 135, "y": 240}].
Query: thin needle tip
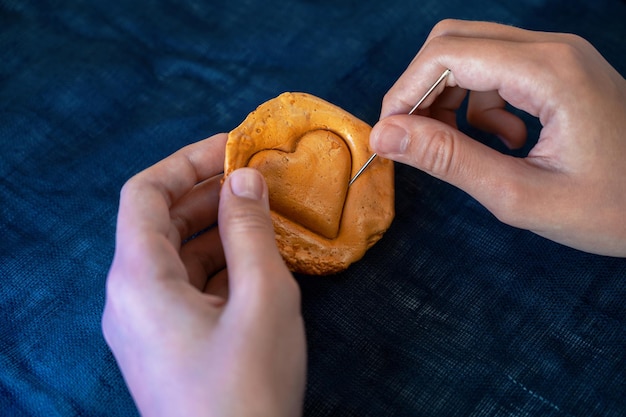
[
  {"x": 360, "y": 171},
  {"x": 430, "y": 90}
]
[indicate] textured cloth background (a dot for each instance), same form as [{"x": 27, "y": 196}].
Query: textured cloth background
[{"x": 451, "y": 314}]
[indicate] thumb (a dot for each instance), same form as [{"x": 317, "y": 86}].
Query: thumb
[
  {"x": 246, "y": 228},
  {"x": 501, "y": 183}
]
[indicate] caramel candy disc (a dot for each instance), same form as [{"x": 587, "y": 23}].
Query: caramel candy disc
[{"x": 308, "y": 149}]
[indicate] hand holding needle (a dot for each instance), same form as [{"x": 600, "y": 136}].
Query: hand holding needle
[{"x": 430, "y": 90}]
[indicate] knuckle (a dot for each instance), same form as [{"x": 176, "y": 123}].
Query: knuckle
[
  {"x": 574, "y": 40},
  {"x": 106, "y": 327},
  {"x": 183, "y": 225},
  {"x": 443, "y": 27},
  {"x": 437, "y": 157},
  {"x": 112, "y": 304},
  {"x": 245, "y": 219},
  {"x": 567, "y": 57},
  {"x": 131, "y": 187},
  {"x": 128, "y": 187},
  {"x": 439, "y": 42},
  {"x": 388, "y": 99},
  {"x": 566, "y": 53}
]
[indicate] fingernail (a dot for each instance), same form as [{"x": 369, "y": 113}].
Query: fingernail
[
  {"x": 390, "y": 139},
  {"x": 247, "y": 182}
]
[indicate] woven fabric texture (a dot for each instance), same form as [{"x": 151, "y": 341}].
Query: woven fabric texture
[{"x": 451, "y": 314}]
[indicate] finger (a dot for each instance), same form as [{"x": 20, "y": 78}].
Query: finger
[
  {"x": 486, "y": 111},
  {"x": 512, "y": 62},
  {"x": 197, "y": 210},
  {"x": 445, "y": 107},
  {"x": 507, "y": 186},
  {"x": 144, "y": 229},
  {"x": 217, "y": 285},
  {"x": 146, "y": 198},
  {"x": 248, "y": 235},
  {"x": 485, "y": 30},
  {"x": 203, "y": 257},
  {"x": 410, "y": 89}
]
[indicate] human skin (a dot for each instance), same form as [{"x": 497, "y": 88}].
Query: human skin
[
  {"x": 571, "y": 187},
  {"x": 211, "y": 326}
]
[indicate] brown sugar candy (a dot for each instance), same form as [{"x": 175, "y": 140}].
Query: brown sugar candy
[{"x": 308, "y": 149}]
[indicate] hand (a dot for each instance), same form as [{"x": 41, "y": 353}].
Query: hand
[
  {"x": 211, "y": 326},
  {"x": 571, "y": 187}
]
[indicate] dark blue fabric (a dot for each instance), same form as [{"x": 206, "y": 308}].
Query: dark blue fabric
[{"x": 451, "y": 314}]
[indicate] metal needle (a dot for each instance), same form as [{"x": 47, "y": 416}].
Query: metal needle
[{"x": 430, "y": 90}]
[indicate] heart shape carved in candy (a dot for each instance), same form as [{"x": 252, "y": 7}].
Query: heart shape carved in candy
[
  {"x": 307, "y": 150},
  {"x": 321, "y": 160}
]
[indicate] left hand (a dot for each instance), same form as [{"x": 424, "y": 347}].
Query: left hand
[{"x": 211, "y": 326}]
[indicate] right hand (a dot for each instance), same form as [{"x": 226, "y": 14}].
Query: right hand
[{"x": 571, "y": 188}]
